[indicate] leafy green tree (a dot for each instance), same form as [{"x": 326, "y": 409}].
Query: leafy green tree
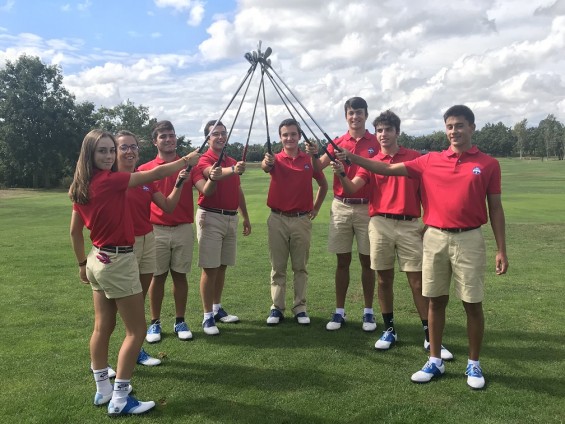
[
  {"x": 128, "y": 116},
  {"x": 495, "y": 139},
  {"x": 37, "y": 125},
  {"x": 520, "y": 133},
  {"x": 552, "y": 134}
]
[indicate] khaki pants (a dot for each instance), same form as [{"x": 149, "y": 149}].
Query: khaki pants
[{"x": 289, "y": 236}]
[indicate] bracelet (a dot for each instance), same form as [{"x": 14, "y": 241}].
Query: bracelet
[
  {"x": 233, "y": 169},
  {"x": 211, "y": 179},
  {"x": 83, "y": 263},
  {"x": 316, "y": 156}
]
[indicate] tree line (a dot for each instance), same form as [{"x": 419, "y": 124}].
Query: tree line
[{"x": 42, "y": 127}]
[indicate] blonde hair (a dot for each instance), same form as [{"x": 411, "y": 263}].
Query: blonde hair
[{"x": 78, "y": 192}]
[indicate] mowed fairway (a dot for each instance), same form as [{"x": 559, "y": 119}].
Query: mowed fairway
[{"x": 252, "y": 373}]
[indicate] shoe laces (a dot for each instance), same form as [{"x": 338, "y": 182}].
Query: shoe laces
[
  {"x": 474, "y": 371},
  {"x": 181, "y": 326},
  {"x": 389, "y": 333},
  {"x": 154, "y": 328}
]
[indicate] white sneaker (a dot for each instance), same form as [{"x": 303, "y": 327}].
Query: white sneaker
[
  {"x": 182, "y": 331},
  {"x": 154, "y": 333},
  {"x": 302, "y": 318},
  {"x": 428, "y": 372},
  {"x": 446, "y": 355},
  {"x": 209, "y": 327},
  {"x": 369, "y": 323},
  {"x": 275, "y": 317},
  {"x": 336, "y": 322},
  {"x": 387, "y": 340},
  {"x": 131, "y": 407},
  {"x": 224, "y": 317},
  {"x": 475, "y": 379},
  {"x": 145, "y": 359}
]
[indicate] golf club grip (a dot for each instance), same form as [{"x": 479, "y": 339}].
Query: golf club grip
[
  {"x": 336, "y": 147},
  {"x": 244, "y": 155},
  {"x": 189, "y": 167},
  {"x": 269, "y": 149}
]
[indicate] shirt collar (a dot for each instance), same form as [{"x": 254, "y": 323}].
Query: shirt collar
[{"x": 450, "y": 153}]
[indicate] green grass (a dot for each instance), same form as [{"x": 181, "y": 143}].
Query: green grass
[{"x": 252, "y": 373}]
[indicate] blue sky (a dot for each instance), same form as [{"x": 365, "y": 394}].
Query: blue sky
[{"x": 183, "y": 59}]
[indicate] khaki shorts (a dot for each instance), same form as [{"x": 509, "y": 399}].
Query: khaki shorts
[
  {"x": 144, "y": 249},
  {"x": 390, "y": 238},
  {"x": 347, "y": 221},
  {"x": 461, "y": 255},
  {"x": 173, "y": 246},
  {"x": 217, "y": 238},
  {"x": 118, "y": 278}
]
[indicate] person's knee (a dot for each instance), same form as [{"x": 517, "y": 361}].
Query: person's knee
[{"x": 343, "y": 260}]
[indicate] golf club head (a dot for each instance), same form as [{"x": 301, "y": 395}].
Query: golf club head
[
  {"x": 259, "y": 48},
  {"x": 249, "y": 57},
  {"x": 255, "y": 56},
  {"x": 267, "y": 52},
  {"x": 268, "y": 62}
]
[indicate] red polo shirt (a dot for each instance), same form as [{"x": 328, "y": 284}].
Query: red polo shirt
[
  {"x": 394, "y": 195},
  {"x": 367, "y": 147},
  {"x": 107, "y": 214},
  {"x": 184, "y": 212},
  {"x": 139, "y": 200},
  {"x": 291, "y": 183},
  {"x": 226, "y": 195},
  {"x": 454, "y": 188}
]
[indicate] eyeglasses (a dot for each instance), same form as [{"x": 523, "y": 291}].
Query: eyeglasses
[
  {"x": 219, "y": 133},
  {"x": 125, "y": 147}
]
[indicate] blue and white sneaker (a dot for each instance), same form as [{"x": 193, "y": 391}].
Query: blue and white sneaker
[
  {"x": 182, "y": 331},
  {"x": 302, "y": 318},
  {"x": 336, "y": 322},
  {"x": 475, "y": 379},
  {"x": 100, "y": 399},
  {"x": 154, "y": 333},
  {"x": 369, "y": 323},
  {"x": 388, "y": 339},
  {"x": 209, "y": 327},
  {"x": 275, "y": 317},
  {"x": 131, "y": 407},
  {"x": 145, "y": 359},
  {"x": 445, "y": 354},
  {"x": 224, "y": 317},
  {"x": 428, "y": 372}
]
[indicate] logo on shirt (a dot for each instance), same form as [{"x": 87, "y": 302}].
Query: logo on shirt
[
  {"x": 145, "y": 188},
  {"x": 306, "y": 166},
  {"x": 371, "y": 150},
  {"x": 477, "y": 170}
]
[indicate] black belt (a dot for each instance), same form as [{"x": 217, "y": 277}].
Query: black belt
[
  {"x": 115, "y": 249},
  {"x": 352, "y": 200},
  {"x": 397, "y": 217},
  {"x": 454, "y": 230},
  {"x": 220, "y": 211},
  {"x": 289, "y": 214}
]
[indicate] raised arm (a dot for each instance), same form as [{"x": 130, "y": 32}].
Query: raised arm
[
  {"x": 267, "y": 163},
  {"x": 162, "y": 171},
  {"x": 208, "y": 186},
  {"x": 377, "y": 167},
  {"x": 498, "y": 225}
]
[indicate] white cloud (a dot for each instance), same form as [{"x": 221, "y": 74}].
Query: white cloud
[
  {"x": 195, "y": 9},
  {"x": 9, "y": 5}
]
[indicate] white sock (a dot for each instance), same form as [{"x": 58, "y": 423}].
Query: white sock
[
  {"x": 103, "y": 384},
  {"x": 216, "y": 307},
  {"x": 471, "y": 362},
  {"x": 340, "y": 311},
  {"x": 121, "y": 388},
  {"x": 436, "y": 361},
  {"x": 368, "y": 311},
  {"x": 207, "y": 315}
]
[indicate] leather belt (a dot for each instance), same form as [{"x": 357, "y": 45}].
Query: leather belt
[
  {"x": 115, "y": 249},
  {"x": 352, "y": 200},
  {"x": 220, "y": 211},
  {"x": 290, "y": 214},
  {"x": 455, "y": 230},
  {"x": 397, "y": 217}
]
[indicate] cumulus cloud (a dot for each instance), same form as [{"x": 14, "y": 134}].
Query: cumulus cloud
[{"x": 195, "y": 9}]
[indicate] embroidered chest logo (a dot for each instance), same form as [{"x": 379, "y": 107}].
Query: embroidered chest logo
[
  {"x": 477, "y": 170},
  {"x": 145, "y": 188},
  {"x": 371, "y": 151},
  {"x": 306, "y": 166}
]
